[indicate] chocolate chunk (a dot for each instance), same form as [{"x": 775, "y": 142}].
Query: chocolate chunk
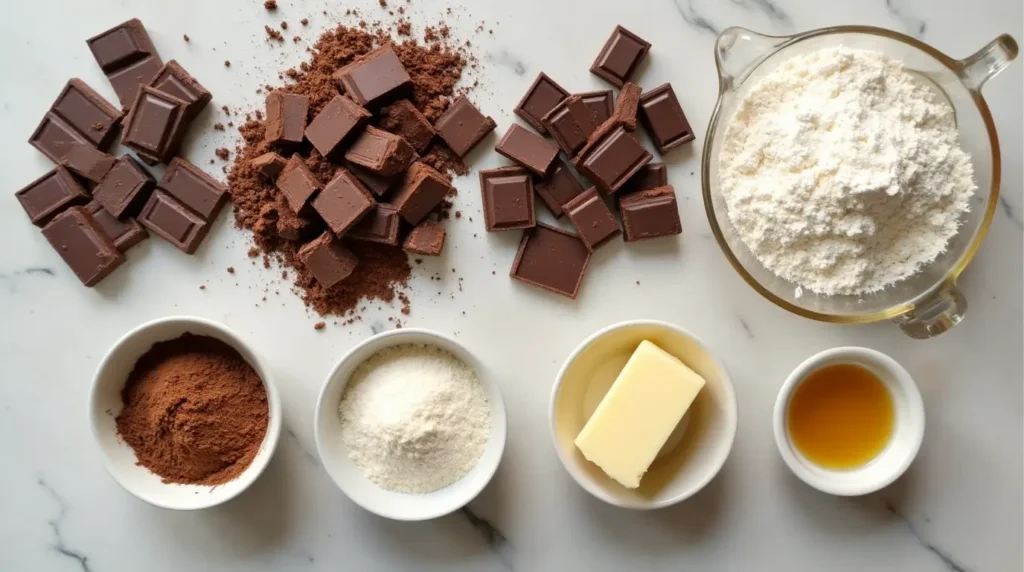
[
  {"x": 611, "y": 159},
  {"x": 570, "y": 123},
  {"x": 552, "y": 259},
  {"x": 650, "y": 214},
  {"x": 528, "y": 149},
  {"x": 156, "y": 124},
  {"x": 78, "y": 115},
  {"x": 663, "y": 118},
  {"x": 88, "y": 161},
  {"x": 376, "y": 184},
  {"x": 276, "y": 217},
  {"x": 462, "y": 126},
  {"x": 328, "y": 260},
  {"x": 269, "y": 164},
  {"x": 286, "y": 117},
  {"x": 650, "y": 176},
  {"x": 172, "y": 79},
  {"x": 384, "y": 153},
  {"x": 380, "y": 225},
  {"x": 558, "y": 188},
  {"x": 192, "y": 187},
  {"x": 124, "y": 233},
  {"x": 338, "y": 121},
  {"x": 427, "y": 238},
  {"x": 50, "y": 195},
  {"x": 620, "y": 57},
  {"x": 592, "y": 218},
  {"x": 125, "y": 188},
  {"x": 403, "y": 119},
  {"x": 174, "y": 222},
  {"x": 544, "y": 94},
  {"x": 298, "y": 185},
  {"x": 83, "y": 245},
  {"x": 600, "y": 104},
  {"x": 626, "y": 106},
  {"x": 508, "y": 198},
  {"x": 375, "y": 78},
  {"x": 343, "y": 202},
  {"x": 421, "y": 190},
  {"x": 127, "y": 56}
]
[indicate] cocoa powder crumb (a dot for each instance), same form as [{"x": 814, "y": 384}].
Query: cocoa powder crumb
[
  {"x": 202, "y": 286},
  {"x": 319, "y": 326},
  {"x": 227, "y": 63},
  {"x": 284, "y": 25},
  {"x": 186, "y": 38},
  {"x": 231, "y": 269},
  {"x": 218, "y": 126},
  {"x": 270, "y": 5},
  {"x": 304, "y": 21},
  {"x": 273, "y": 34},
  {"x": 222, "y": 153}
]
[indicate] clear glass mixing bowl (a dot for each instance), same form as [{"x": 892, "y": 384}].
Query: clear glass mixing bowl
[{"x": 929, "y": 302}]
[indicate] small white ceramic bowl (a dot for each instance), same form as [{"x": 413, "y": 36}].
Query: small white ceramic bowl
[
  {"x": 695, "y": 451},
  {"x": 908, "y": 429},
  {"x": 105, "y": 404},
  {"x": 353, "y": 481}
]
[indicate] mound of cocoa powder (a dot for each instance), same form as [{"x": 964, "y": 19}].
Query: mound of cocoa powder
[
  {"x": 195, "y": 412},
  {"x": 382, "y": 270}
]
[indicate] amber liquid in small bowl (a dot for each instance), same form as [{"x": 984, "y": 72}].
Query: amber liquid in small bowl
[{"x": 841, "y": 417}]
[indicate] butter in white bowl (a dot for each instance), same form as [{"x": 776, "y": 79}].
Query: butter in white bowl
[{"x": 639, "y": 413}]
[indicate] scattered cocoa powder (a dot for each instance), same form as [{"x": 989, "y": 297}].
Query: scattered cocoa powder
[
  {"x": 304, "y": 21},
  {"x": 284, "y": 25},
  {"x": 195, "y": 411},
  {"x": 227, "y": 63},
  {"x": 218, "y": 126},
  {"x": 270, "y": 5},
  {"x": 222, "y": 153},
  {"x": 186, "y": 38},
  {"x": 273, "y": 34},
  {"x": 319, "y": 326}
]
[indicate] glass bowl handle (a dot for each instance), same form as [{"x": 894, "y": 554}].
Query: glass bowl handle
[
  {"x": 936, "y": 313},
  {"x": 979, "y": 67},
  {"x": 738, "y": 51}
]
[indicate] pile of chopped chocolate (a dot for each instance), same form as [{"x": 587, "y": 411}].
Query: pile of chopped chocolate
[
  {"x": 94, "y": 206},
  {"x": 348, "y": 168},
  {"x": 597, "y": 135}
]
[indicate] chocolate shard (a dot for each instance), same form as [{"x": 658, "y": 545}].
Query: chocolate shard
[
  {"x": 83, "y": 245},
  {"x": 421, "y": 190},
  {"x": 650, "y": 214},
  {"x": 462, "y": 126},
  {"x": 299, "y": 185},
  {"x": 343, "y": 202},
  {"x": 192, "y": 187},
  {"x": 286, "y": 117},
  {"x": 125, "y": 188},
  {"x": 328, "y": 260},
  {"x": 426, "y": 238},
  {"x": 375, "y": 78},
  {"x": 626, "y": 105},
  {"x": 612, "y": 158},
  {"x": 174, "y": 222},
  {"x": 338, "y": 121},
  {"x": 507, "y": 194},
  {"x": 381, "y": 225},
  {"x": 552, "y": 259},
  {"x": 542, "y": 96},
  {"x": 620, "y": 56},
  {"x": 663, "y": 118},
  {"x": 592, "y": 218},
  {"x": 558, "y": 188},
  {"x": 124, "y": 233},
  {"x": 528, "y": 149},
  {"x": 78, "y": 115},
  {"x": 386, "y": 154},
  {"x": 269, "y": 164},
  {"x": 127, "y": 56},
  {"x": 156, "y": 124},
  {"x": 403, "y": 119},
  {"x": 172, "y": 79},
  {"x": 50, "y": 195}
]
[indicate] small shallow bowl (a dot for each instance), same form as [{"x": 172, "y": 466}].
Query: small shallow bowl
[
  {"x": 695, "y": 451},
  {"x": 105, "y": 404},
  {"x": 908, "y": 427},
  {"x": 352, "y": 480}
]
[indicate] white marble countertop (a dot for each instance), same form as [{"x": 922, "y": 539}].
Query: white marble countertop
[{"x": 958, "y": 508}]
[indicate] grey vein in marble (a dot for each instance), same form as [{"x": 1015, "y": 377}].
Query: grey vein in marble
[
  {"x": 774, "y": 13},
  {"x": 691, "y": 17},
  {"x": 59, "y": 545},
  {"x": 507, "y": 60},
  {"x": 34, "y": 270},
  {"x": 947, "y": 559},
  {"x": 746, "y": 327},
  {"x": 1010, "y": 213},
  {"x": 298, "y": 443},
  {"x": 494, "y": 538},
  {"x": 915, "y": 26}
]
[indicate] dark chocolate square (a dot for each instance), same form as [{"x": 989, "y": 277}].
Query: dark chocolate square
[
  {"x": 125, "y": 188},
  {"x": 600, "y": 104},
  {"x": 592, "y": 218},
  {"x": 125, "y": 233},
  {"x": 194, "y": 188},
  {"x": 375, "y": 78},
  {"x": 611, "y": 159},
  {"x": 337, "y": 122},
  {"x": 570, "y": 123},
  {"x": 552, "y": 259},
  {"x": 421, "y": 190},
  {"x": 381, "y": 225},
  {"x": 652, "y": 175},
  {"x": 507, "y": 194},
  {"x": 174, "y": 80},
  {"x": 620, "y": 56},
  {"x": 328, "y": 260},
  {"x": 462, "y": 126},
  {"x": 88, "y": 162},
  {"x": 650, "y": 214},
  {"x": 544, "y": 94},
  {"x": 286, "y": 117},
  {"x": 156, "y": 124},
  {"x": 427, "y": 239},
  {"x": 528, "y": 149},
  {"x": 403, "y": 119},
  {"x": 558, "y": 188},
  {"x": 386, "y": 154},
  {"x": 269, "y": 164},
  {"x": 298, "y": 184},
  {"x": 83, "y": 245},
  {"x": 51, "y": 194},
  {"x": 174, "y": 222},
  {"x": 664, "y": 119},
  {"x": 343, "y": 202}
]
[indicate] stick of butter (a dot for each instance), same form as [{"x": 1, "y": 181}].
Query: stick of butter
[{"x": 639, "y": 412}]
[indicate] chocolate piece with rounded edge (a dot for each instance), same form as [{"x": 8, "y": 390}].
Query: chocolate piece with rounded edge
[
  {"x": 156, "y": 124},
  {"x": 542, "y": 96},
  {"x": 612, "y": 158},
  {"x": 270, "y": 164},
  {"x": 337, "y": 122},
  {"x": 125, "y": 188},
  {"x": 421, "y": 190},
  {"x": 298, "y": 184},
  {"x": 172, "y": 79},
  {"x": 83, "y": 245},
  {"x": 386, "y": 154},
  {"x": 427, "y": 239},
  {"x": 462, "y": 126},
  {"x": 173, "y": 222},
  {"x": 652, "y": 175},
  {"x": 558, "y": 188},
  {"x": 381, "y": 225},
  {"x": 194, "y": 188},
  {"x": 507, "y": 194},
  {"x": 620, "y": 56},
  {"x": 328, "y": 260},
  {"x": 664, "y": 119},
  {"x": 570, "y": 123},
  {"x": 592, "y": 218},
  {"x": 88, "y": 162},
  {"x": 403, "y": 119},
  {"x": 286, "y": 117},
  {"x": 78, "y": 115},
  {"x": 552, "y": 259},
  {"x": 650, "y": 214},
  {"x": 51, "y": 194},
  {"x": 127, "y": 56},
  {"x": 343, "y": 202},
  {"x": 626, "y": 105},
  {"x": 600, "y": 104},
  {"x": 375, "y": 78},
  {"x": 125, "y": 233},
  {"x": 528, "y": 149}
]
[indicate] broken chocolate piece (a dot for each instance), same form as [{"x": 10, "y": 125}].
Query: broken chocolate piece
[
  {"x": 650, "y": 214},
  {"x": 298, "y": 184},
  {"x": 88, "y": 161},
  {"x": 124, "y": 233},
  {"x": 558, "y": 188},
  {"x": 174, "y": 222},
  {"x": 600, "y": 104},
  {"x": 427, "y": 239},
  {"x": 127, "y": 56},
  {"x": 421, "y": 190},
  {"x": 192, "y": 187},
  {"x": 386, "y": 154},
  {"x": 270, "y": 164},
  {"x": 83, "y": 245},
  {"x": 49, "y": 195},
  {"x": 125, "y": 188},
  {"x": 542, "y": 96},
  {"x": 570, "y": 123},
  {"x": 462, "y": 126},
  {"x": 375, "y": 78},
  {"x": 380, "y": 225},
  {"x": 286, "y": 117},
  {"x": 337, "y": 122},
  {"x": 592, "y": 218},
  {"x": 328, "y": 260},
  {"x": 78, "y": 115},
  {"x": 626, "y": 106},
  {"x": 650, "y": 176},
  {"x": 343, "y": 202},
  {"x": 156, "y": 124},
  {"x": 612, "y": 159},
  {"x": 403, "y": 119},
  {"x": 172, "y": 79},
  {"x": 507, "y": 194},
  {"x": 528, "y": 149}
]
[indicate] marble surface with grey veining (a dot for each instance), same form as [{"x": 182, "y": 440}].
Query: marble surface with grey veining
[{"x": 959, "y": 508}]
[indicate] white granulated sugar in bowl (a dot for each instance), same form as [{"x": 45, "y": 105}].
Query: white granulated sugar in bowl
[
  {"x": 842, "y": 172},
  {"x": 415, "y": 418}
]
